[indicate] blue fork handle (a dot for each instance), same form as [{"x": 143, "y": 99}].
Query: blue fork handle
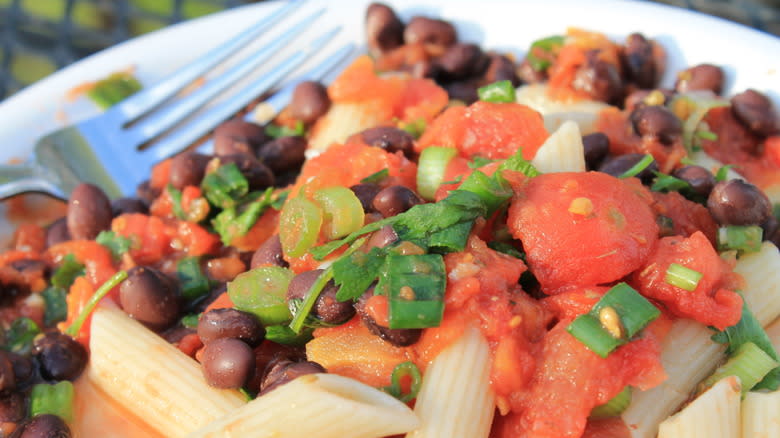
[{"x": 23, "y": 178}]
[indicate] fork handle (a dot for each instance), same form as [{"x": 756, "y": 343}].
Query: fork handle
[{"x": 23, "y": 178}]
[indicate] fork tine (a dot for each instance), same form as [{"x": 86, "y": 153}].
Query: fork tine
[
  {"x": 269, "y": 108},
  {"x": 134, "y": 107},
  {"x": 166, "y": 118},
  {"x": 203, "y": 123}
]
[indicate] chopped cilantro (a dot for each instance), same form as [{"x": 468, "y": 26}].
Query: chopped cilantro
[
  {"x": 56, "y": 309},
  {"x": 175, "y": 195},
  {"x": 115, "y": 243},
  {"x": 277, "y": 131},
  {"x": 19, "y": 337},
  {"x": 355, "y": 273},
  {"x": 67, "y": 272},
  {"x": 376, "y": 177}
]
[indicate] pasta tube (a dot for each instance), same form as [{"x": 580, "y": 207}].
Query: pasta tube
[
  {"x": 562, "y": 151},
  {"x": 456, "y": 398},
  {"x": 152, "y": 378},
  {"x": 316, "y": 405},
  {"x": 761, "y": 271},
  {"x": 714, "y": 414},
  {"x": 555, "y": 113},
  {"x": 341, "y": 121},
  {"x": 688, "y": 356},
  {"x": 761, "y": 415}
]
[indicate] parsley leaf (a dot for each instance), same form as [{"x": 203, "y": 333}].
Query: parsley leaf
[
  {"x": 67, "y": 272},
  {"x": 115, "y": 243},
  {"x": 355, "y": 273}
]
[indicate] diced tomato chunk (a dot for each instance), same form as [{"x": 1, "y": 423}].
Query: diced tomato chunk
[
  {"x": 710, "y": 303},
  {"x": 581, "y": 229},
  {"x": 489, "y": 130}
]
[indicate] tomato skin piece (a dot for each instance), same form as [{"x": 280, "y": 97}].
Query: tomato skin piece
[
  {"x": 489, "y": 130},
  {"x": 687, "y": 216},
  {"x": 710, "y": 303},
  {"x": 581, "y": 243}
]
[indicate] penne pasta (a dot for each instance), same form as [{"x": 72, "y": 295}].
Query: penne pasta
[
  {"x": 714, "y": 414},
  {"x": 152, "y": 378},
  {"x": 583, "y": 112},
  {"x": 341, "y": 121},
  {"x": 316, "y": 405},
  {"x": 562, "y": 151},
  {"x": 761, "y": 271},
  {"x": 689, "y": 355},
  {"x": 773, "y": 331},
  {"x": 761, "y": 415},
  {"x": 456, "y": 399}
]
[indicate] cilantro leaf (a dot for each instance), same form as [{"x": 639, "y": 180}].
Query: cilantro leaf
[
  {"x": 477, "y": 162},
  {"x": 519, "y": 164},
  {"x": 19, "y": 337},
  {"x": 67, "y": 272},
  {"x": 376, "y": 177},
  {"x": 225, "y": 186},
  {"x": 355, "y": 273},
  {"x": 236, "y": 221},
  {"x": 175, "y": 195},
  {"x": 115, "y": 243},
  {"x": 56, "y": 309},
  {"x": 422, "y": 220}
]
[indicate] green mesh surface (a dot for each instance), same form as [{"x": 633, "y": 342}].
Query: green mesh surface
[{"x": 37, "y": 37}]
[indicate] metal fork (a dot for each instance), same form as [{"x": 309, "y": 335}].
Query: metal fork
[{"x": 104, "y": 150}]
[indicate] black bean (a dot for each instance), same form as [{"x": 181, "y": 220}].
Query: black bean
[
  {"x": 230, "y": 323},
  {"x": 700, "y": 77},
  {"x": 424, "y": 68},
  {"x": 464, "y": 91},
  {"x": 283, "y": 154},
  {"x": 384, "y": 30},
  {"x": 771, "y": 228},
  {"x": 618, "y": 165},
  {"x": 382, "y": 237},
  {"x": 30, "y": 268},
  {"x": 12, "y": 407},
  {"x": 146, "y": 192},
  {"x": 366, "y": 192},
  {"x": 42, "y": 426},
  {"x": 700, "y": 179},
  {"x": 227, "y": 363},
  {"x": 500, "y": 68},
  {"x": 309, "y": 102},
  {"x": 397, "y": 337},
  {"x": 656, "y": 121},
  {"x": 60, "y": 356},
  {"x": 57, "y": 232},
  {"x": 430, "y": 31},
  {"x": 529, "y": 75},
  {"x": 390, "y": 139},
  {"x": 598, "y": 78},
  {"x": 736, "y": 202},
  {"x": 394, "y": 200},
  {"x": 89, "y": 212},
  {"x": 596, "y": 146},
  {"x": 187, "y": 169},
  {"x": 755, "y": 111},
  {"x": 269, "y": 253},
  {"x": 150, "y": 297},
  {"x": 128, "y": 205},
  {"x": 639, "y": 98},
  {"x": 257, "y": 174},
  {"x": 462, "y": 60},
  {"x": 282, "y": 371},
  {"x": 327, "y": 308},
  {"x": 25, "y": 371},
  {"x": 7, "y": 376},
  {"x": 238, "y": 137},
  {"x": 639, "y": 63}
]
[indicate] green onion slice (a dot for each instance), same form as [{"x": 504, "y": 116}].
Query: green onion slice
[
  {"x": 750, "y": 363},
  {"x": 194, "y": 283},
  {"x": 54, "y": 399},
  {"x": 402, "y": 370},
  {"x": 299, "y": 226},
  {"x": 743, "y": 238},
  {"x": 682, "y": 277},
  {"x": 431, "y": 169},
  {"x": 262, "y": 292},
  {"x": 497, "y": 92},
  {"x": 341, "y": 209},
  {"x": 543, "y": 51},
  {"x": 414, "y": 285},
  {"x": 638, "y": 167}
]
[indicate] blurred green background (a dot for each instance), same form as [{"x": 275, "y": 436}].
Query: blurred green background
[{"x": 37, "y": 37}]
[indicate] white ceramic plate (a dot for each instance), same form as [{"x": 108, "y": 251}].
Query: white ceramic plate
[{"x": 750, "y": 58}]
